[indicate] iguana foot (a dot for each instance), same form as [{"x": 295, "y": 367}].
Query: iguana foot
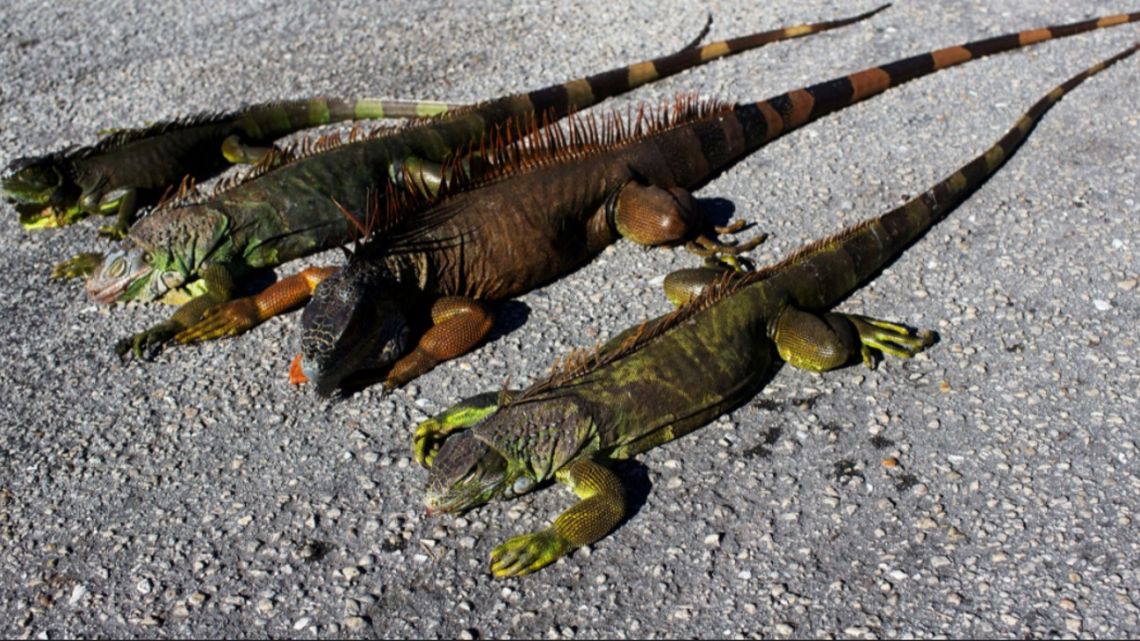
[
  {"x": 705, "y": 246},
  {"x": 528, "y": 553},
  {"x": 113, "y": 232},
  {"x": 146, "y": 345},
  {"x": 888, "y": 338},
  {"x": 78, "y": 266},
  {"x": 464, "y": 415},
  {"x": 229, "y": 319}
]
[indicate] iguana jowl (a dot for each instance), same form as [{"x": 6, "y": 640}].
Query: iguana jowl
[
  {"x": 667, "y": 377},
  {"x": 549, "y": 208},
  {"x": 296, "y": 209},
  {"x": 132, "y": 168}
]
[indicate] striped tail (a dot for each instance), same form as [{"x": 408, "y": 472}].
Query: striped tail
[
  {"x": 765, "y": 120},
  {"x": 562, "y": 99},
  {"x": 823, "y": 273},
  {"x": 273, "y": 120}
]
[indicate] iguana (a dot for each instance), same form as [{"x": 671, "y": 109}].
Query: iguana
[
  {"x": 296, "y": 209},
  {"x": 545, "y": 208},
  {"x": 132, "y": 168},
  {"x": 668, "y": 376}
]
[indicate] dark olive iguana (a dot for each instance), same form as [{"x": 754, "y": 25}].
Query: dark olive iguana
[
  {"x": 665, "y": 378},
  {"x": 296, "y": 208},
  {"x": 132, "y": 168},
  {"x": 544, "y": 208}
]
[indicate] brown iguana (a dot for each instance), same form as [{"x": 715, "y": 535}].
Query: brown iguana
[
  {"x": 295, "y": 209},
  {"x": 547, "y": 206},
  {"x": 132, "y": 168},
  {"x": 667, "y": 377}
]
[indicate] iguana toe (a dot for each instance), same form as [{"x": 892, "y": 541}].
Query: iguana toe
[
  {"x": 78, "y": 266},
  {"x": 112, "y": 232},
  {"x": 527, "y": 553}
]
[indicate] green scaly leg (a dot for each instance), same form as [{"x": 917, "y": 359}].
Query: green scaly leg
[
  {"x": 600, "y": 510},
  {"x": 464, "y": 415},
  {"x": 147, "y": 344},
  {"x": 820, "y": 343}
]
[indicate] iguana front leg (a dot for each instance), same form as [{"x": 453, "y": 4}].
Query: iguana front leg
[
  {"x": 238, "y": 152},
  {"x": 600, "y": 510},
  {"x": 219, "y": 289},
  {"x": 458, "y": 325},
  {"x": 123, "y": 202},
  {"x": 78, "y": 266},
  {"x": 464, "y": 415},
  {"x": 819, "y": 343},
  {"x": 243, "y": 314}
]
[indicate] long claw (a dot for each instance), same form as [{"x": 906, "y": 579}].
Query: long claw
[
  {"x": 527, "y": 553},
  {"x": 78, "y": 266},
  {"x": 112, "y": 232}
]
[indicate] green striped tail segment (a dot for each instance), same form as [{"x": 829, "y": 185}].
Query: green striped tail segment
[
  {"x": 562, "y": 99},
  {"x": 821, "y": 274},
  {"x": 276, "y": 119},
  {"x": 765, "y": 120}
]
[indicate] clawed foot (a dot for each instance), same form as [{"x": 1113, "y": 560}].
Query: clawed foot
[
  {"x": 888, "y": 338},
  {"x": 528, "y": 553},
  {"x": 113, "y": 232},
  {"x": 78, "y": 266},
  {"x": 229, "y": 319},
  {"x": 146, "y": 345},
  {"x": 704, "y": 245}
]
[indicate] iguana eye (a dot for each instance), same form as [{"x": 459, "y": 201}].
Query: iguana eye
[{"x": 117, "y": 267}]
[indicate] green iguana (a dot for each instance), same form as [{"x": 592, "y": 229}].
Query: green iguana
[
  {"x": 545, "y": 208},
  {"x": 132, "y": 168},
  {"x": 295, "y": 209},
  {"x": 665, "y": 378}
]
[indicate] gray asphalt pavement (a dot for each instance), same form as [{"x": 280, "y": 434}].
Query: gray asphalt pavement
[{"x": 988, "y": 487}]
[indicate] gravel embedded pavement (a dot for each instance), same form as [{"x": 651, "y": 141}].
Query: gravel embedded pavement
[{"x": 988, "y": 487}]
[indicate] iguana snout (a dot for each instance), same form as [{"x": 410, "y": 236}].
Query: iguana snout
[
  {"x": 353, "y": 323},
  {"x": 123, "y": 274}
]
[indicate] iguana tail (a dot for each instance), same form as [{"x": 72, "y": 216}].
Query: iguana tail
[
  {"x": 767, "y": 119},
  {"x": 273, "y": 120},
  {"x": 559, "y": 100},
  {"x": 823, "y": 273}
]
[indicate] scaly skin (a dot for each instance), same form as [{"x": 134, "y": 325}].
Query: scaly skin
[
  {"x": 535, "y": 223},
  {"x": 659, "y": 381},
  {"x": 132, "y": 168},
  {"x": 298, "y": 209}
]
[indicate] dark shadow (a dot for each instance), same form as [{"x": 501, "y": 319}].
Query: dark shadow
[
  {"x": 255, "y": 281},
  {"x": 509, "y": 316},
  {"x": 636, "y": 485},
  {"x": 717, "y": 211}
]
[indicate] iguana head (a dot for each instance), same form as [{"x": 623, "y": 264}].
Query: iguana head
[
  {"x": 41, "y": 188},
  {"x": 465, "y": 474},
  {"x": 353, "y": 323},
  {"x": 132, "y": 273}
]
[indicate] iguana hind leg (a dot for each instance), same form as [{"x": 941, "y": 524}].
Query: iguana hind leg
[
  {"x": 820, "y": 343},
  {"x": 652, "y": 215},
  {"x": 683, "y": 285},
  {"x": 458, "y": 325},
  {"x": 243, "y": 314},
  {"x": 238, "y": 152},
  {"x": 600, "y": 510}
]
